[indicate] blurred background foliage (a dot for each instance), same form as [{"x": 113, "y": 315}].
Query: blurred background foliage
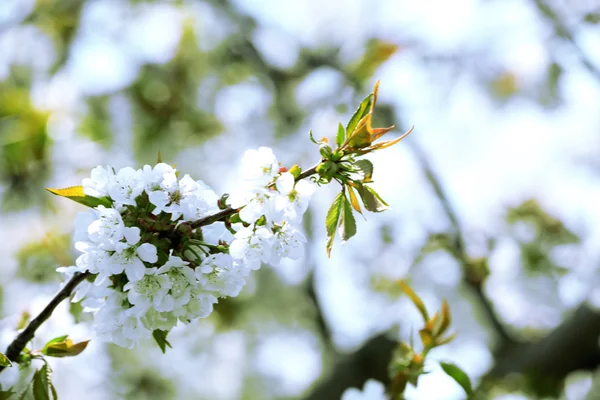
[{"x": 494, "y": 197}]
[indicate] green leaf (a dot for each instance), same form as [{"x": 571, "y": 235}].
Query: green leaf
[
  {"x": 332, "y": 219},
  {"x": 53, "y": 390},
  {"x": 55, "y": 340},
  {"x": 348, "y": 223},
  {"x": 311, "y": 137},
  {"x": 365, "y": 167},
  {"x": 456, "y": 373},
  {"x": 6, "y": 394},
  {"x": 64, "y": 347},
  {"x": 341, "y": 135},
  {"x": 4, "y": 361},
  {"x": 371, "y": 200},
  {"x": 76, "y": 194},
  {"x": 40, "y": 386},
  {"x": 160, "y": 337},
  {"x": 362, "y": 110}
]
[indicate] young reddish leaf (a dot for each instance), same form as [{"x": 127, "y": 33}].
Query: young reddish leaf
[
  {"x": 353, "y": 199},
  {"x": 76, "y": 194},
  {"x": 371, "y": 200},
  {"x": 160, "y": 337},
  {"x": 415, "y": 299},
  {"x": 383, "y": 145},
  {"x": 332, "y": 220},
  {"x": 456, "y": 373},
  {"x": 348, "y": 223},
  {"x": 4, "y": 361},
  {"x": 341, "y": 135},
  {"x": 446, "y": 318}
]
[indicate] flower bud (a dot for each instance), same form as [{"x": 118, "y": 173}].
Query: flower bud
[{"x": 325, "y": 151}]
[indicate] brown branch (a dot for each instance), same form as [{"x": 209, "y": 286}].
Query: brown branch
[
  {"x": 459, "y": 249},
  {"x": 570, "y": 347},
  {"x": 17, "y": 345},
  {"x": 369, "y": 362}
]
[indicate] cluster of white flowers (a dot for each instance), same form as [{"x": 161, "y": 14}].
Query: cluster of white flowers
[{"x": 148, "y": 273}]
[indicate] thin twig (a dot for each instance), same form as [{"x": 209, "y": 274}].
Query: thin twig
[{"x": 17, "y": 345}]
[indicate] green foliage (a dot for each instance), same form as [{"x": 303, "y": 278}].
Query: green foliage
[
  {"x": 37, "y": 261},
  {"x": 41, "y": 386},
  {"x": 371, "y": 199},
  {"x": 332, "y": 219},
  {"x": 456, "y": 373},
  {"x": 160, "y": 337},
  {"x": 4, "y": 361},
  {"x": 6, "y": 394},
  {"x": 353, "y": 174},
  {"x": 408, "y": 364},
  {"x": 24, "y": 144},
  {"x": 63, "y": 347},
  {"x": 97, "y": 124},
  {"x": 347, "y": 222},
  {"x": 548, "y": 233}
]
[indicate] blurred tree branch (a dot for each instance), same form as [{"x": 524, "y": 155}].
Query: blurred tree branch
[
  {"x": 369, "y": 362},
  {"x": 473, "y": 280},
  {"x": 564, "y": 33},
  {"x": 570, "y": 347}
]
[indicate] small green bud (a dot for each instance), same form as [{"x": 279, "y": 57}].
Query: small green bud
[{"x": 325, "y": 151}]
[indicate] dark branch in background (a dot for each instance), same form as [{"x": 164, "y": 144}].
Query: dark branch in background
[
  {"x": 570, "y": 347},
  {"x": 459, "y": 249},
  {"x": 561, "y": 31},
  {"x": 369, "y": 362},
  {"x": 17, "y": 345}
]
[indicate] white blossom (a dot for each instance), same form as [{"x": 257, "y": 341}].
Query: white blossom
[
  {"x": 126, "y": 187},
  {"x": 150, "y": 291},
  {"x": 251, "y": 246},
  {"x": 218, "y": 273},
  {"x": 295, "y": 196},
  {"x": 130, "y": 261},
  {"x": 182, "y": 281},
  {"x": 101, "y": 179},
  {"x": 288, "y": 243},
  {"x": 259, "y": 167}
]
